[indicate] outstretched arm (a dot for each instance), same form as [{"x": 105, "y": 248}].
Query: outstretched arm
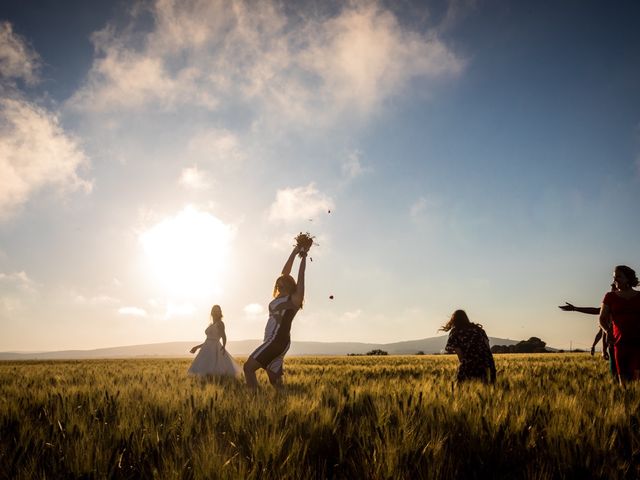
[
  {"x": 195, "y": 349},
  {"x": 286, "y": 270},
  {"x": 568, "y": 307},
  {"x": 298, "y": 296}
]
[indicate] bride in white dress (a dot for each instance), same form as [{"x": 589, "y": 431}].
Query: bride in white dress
[{"x": 213, "y": 359}]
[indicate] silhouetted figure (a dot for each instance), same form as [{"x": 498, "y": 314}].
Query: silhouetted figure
[
  {"x": 620, "y": 317},
  {"x": 470, "y": 342},
  {"x": 571, "y": 308},
  {"x": 607, "y": 343},
  {"x": 288, "y": 298},
  {"x": 213, "y": 358}
]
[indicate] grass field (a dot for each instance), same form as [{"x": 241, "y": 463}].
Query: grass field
[{"x": 548, "y": 416}]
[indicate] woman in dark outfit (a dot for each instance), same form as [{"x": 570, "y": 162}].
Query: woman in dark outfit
[
  {"x": 620, "y": 316},
  {"x": 470, "y": 342}
]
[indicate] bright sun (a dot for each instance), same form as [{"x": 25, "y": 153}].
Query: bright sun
[{"x": 188, "y": 253}]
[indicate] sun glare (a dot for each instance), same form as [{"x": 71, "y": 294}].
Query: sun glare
[{"x": 188, "y": 253}]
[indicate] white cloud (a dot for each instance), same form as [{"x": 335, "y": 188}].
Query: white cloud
[
  {"x": 351, "y": 315},
  {"x": 352, "y": 166},
  {"x": 17, "y": 59},
  {"x": 253, "y": 309},
  {"x": 35, "y": 152},
  {"x": 123, "y": 77},
  {"x": 95, "y": 300},
  {"x": 132, "y": 312},
  {"x": 34, "y": 149},
  {"x": 299, "y": 203},
  {"x": 364, "y": 56},
  {"x": 301, "y": 70},
  {"x": 17, "y": 279},
  {"x": 194, "y": 178}
]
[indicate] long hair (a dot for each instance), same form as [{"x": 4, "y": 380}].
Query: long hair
[
  {"x": 286, "y": 283},
  {"x": 459, "y": 320},
  {"x": 216, "y": 313},
  {"x": 630, "y": 273}
]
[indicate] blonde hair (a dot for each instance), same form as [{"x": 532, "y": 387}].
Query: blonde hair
[{"x": 216, "y": 313}]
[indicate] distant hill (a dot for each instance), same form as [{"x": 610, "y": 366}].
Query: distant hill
[{"x": 245, "y": 347}]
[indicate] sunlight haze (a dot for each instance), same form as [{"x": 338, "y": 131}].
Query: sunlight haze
[{"x": 159, "y": 157}]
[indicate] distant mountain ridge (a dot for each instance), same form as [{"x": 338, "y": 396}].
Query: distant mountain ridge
[{"x": 245, "y": 347}]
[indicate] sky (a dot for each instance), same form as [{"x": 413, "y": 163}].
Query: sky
[{"x": 158, "y": 157}]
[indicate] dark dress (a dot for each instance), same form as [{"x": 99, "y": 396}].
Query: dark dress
[{"x": 476, "y": 360}]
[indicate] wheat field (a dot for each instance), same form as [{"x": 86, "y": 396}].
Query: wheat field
[{"x": 548, "y": 416}]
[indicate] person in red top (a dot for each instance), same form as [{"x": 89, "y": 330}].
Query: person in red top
[{"x": 620, "y": 316}]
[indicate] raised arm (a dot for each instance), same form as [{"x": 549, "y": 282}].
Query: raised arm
[
  {"x": 568, "y": 307},
  {"x": 298, "y": 296},
  {"x": 286, "y": 270}
]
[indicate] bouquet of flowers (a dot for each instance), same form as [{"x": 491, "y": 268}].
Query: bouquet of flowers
[{"x": 304, "y": 241}]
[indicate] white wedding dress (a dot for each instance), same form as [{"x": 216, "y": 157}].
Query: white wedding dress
[{"x": 212, "y": 359}]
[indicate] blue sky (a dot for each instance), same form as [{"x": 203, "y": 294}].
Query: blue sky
[{"x": 159, "y": 157}]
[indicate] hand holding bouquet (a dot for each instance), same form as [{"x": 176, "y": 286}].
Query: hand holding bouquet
[{"x": 304, "y": 241}]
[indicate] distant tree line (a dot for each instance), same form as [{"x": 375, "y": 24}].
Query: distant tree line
[
  {"x": 377, "y": 351},
  {"x": 533, "y": 345}
]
